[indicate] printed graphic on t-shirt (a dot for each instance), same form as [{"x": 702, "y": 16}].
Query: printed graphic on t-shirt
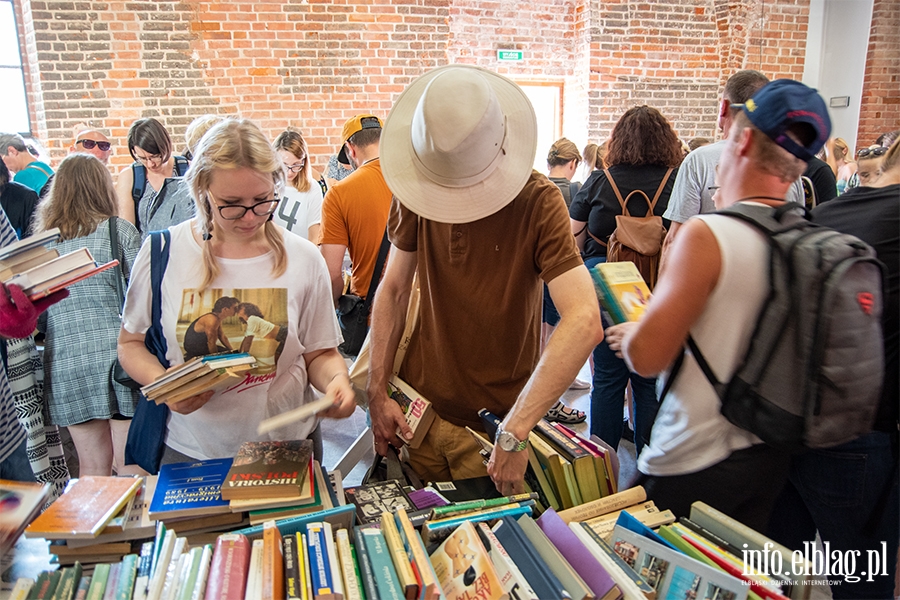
[{"x": 235, "y": 320}]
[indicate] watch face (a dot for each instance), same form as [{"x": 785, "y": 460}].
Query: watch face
[{"x": 508, "y": 441}]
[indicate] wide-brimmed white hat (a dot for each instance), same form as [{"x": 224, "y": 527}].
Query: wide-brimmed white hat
[{"x": 458, "y": 144}]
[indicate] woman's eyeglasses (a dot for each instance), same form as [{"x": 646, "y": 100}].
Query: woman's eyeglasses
[
  {"x": 233, "y": 212},
  {"x": 866, "y": 152},
  {"x": 90, "y": 144},
  {"x": 296, "y": 167}
]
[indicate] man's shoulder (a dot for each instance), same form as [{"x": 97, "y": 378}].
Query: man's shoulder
[
  {"x": 703, "y": 156},
  {"x": 18, "y": 191}
]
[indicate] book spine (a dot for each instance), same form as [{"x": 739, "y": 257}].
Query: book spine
[
  {"x": 398, "y": 554},
  {"x": 366, "y": 572},
  {"x": 83, "y": 587},
  {"x": 228, "y": 571},
  {"x": 387, "y": 584},
  {"x": 142, "y": 577},
  {"x": 348, "y": 568},
  {"x": 273, "y": 563},
  {"x": 319, "y": 567},
  {"x": 291, "y": 568},
  {"x": 42, "y": 581},
  {"x": 98, "y": 582},
  {"x": 418, "y": 555},
  {"x": 605, "y": 505},
  {"x": 46, "y": 592},
  {"x": 68, "y": 581},
  {"x": 127, "y": 576},
  {"x": 511, "y": 578},
  {"x": 111, "y": 582},
  {"x": 22, "y": 588},
  {"x": 203, "y": 573},
  {"x": 189, "y": 572},
  {"x": 333, "y": 561},
  {"x": 254, "y": 573},
  {"x": 305, "y": 576},
  {"x": 436, "y": 531},
  {"x": 294, "y": 525}
]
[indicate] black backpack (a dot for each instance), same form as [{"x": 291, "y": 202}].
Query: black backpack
[
  {"x": 812, "y": 372},
  {"x": 139, "y": 182}
]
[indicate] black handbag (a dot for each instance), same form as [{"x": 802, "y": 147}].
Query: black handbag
[
  {"x": 119, "y": 374},
  {"x": 388, "y": 467},
  {"x": 147, "y": 434},
  {"x": 353, "y": 311}
]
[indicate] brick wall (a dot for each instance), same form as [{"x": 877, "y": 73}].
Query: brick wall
[
  {"x": 314, "y": 63},
  {"x": 880, "y": 110}
]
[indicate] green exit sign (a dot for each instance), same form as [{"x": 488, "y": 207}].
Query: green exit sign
[{"x": 515, "y": 55}]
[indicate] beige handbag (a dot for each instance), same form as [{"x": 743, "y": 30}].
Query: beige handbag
[{"x": 359, "y": 370}]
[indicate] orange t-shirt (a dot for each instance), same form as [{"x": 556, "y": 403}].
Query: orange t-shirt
[
  {"x": 354, "y": 214},
  {"x": 477, "y": 339}
]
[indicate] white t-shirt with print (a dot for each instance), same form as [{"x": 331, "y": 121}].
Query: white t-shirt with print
[
  {"x": 298, "y": 211},
  {"x": 257, "y": 327},
  {"x": 300, "y": 300}
]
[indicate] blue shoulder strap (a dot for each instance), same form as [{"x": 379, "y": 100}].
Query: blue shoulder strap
[{"x": 155, "y": 338}]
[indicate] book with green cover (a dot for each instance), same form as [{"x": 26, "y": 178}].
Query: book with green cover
[
  {"x": 68, "y": 582},
  {"x": 582, "y": 461},
  {"x": 98, "y": 582},
  {"x": 127, "y": 575},
  {"x": 621, "y": 290},
  {"x": 375, "y": 547}
]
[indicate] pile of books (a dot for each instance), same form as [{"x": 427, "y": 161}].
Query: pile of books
[
  {"x": 198, "y": 375},
  {"x": 41, "y": 271},
  {"x": 565, "y": 469}
]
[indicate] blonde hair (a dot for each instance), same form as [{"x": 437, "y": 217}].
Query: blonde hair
[
  {"x": 196, "y": 130},
  {"x": 562, "y": 152},
  {"x": 290, "y": 140},
  {"x": 842, "y": 150},
  {"x": 234, "y": 144},
  {"x": 82, "y": 196}
]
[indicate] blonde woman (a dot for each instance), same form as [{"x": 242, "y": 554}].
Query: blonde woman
[
  {"x": 841, "y": 162},
  {"x": 80, "y": 346},
  {"x": 300, "y": 211},
  {"x": 231, "y": 248}
]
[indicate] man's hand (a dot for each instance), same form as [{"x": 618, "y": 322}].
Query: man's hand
[
  {"x": 344, "y": 398},
  {"x": 615, "y": 334},
  {"x": 189, "y": 405},
  {"x": 386, "y": 417},
  {"x": 507, "y": 469}
]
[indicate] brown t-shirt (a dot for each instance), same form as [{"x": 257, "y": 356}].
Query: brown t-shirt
[
  {"x": 477, "y": 339},
  {"x": 354, "y": 214}
]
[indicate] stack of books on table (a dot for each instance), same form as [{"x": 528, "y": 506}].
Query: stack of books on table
[
  {"x": 41, "y": 271},
  {"x": 198, "y": 375},
  {"x": 486, "y": 549},
  {"x": 564, "y": 468}
]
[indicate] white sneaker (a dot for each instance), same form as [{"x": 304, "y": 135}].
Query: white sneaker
[{"x": 579, "y": 384}]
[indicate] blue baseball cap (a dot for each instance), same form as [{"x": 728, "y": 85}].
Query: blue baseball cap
[{"x": 782, "y": 103}]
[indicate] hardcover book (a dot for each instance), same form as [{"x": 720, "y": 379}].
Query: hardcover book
[
  {"x": 464, "y": 568},
  {"x": 384, "y": 584},
  {"x": 84, "y": 509},
  {"x": 228, "y": 571},
  {"x": 324, "y": 584},
  {"x": 26, "y": 260},
  {"x": 190, "y": 489},
  {"x": 57, "y": 273},
  {"x": 19, "y": 503},
  {"x": 372, "y": 499},
  {"x": 511, "y": 577},
  {"x": 417, "y": 410},
  {"x": 12, "y": 253},
  {"x": 267, "y": 469},
  {"x": 171, "y": 383}
]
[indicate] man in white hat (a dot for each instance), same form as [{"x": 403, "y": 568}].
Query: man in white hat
[{"x": 484, "y": 230}]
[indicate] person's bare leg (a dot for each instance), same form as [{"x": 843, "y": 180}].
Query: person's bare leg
[
  {"x": 94, "y": 446},
  {"x": 119, "y": 431}
]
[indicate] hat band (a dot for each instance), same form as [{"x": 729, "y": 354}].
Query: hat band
[{"x": 462, "y": 182}]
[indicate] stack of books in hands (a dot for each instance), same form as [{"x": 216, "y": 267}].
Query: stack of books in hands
[
  {"x": 41, "y": 271},
  {"x": 198, "y": 375}
]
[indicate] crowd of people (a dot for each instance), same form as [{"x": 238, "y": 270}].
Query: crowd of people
[{"x": 256, "y": 241}]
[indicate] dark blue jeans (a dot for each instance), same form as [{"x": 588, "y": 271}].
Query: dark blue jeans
[{"x": 850, "y": 495}]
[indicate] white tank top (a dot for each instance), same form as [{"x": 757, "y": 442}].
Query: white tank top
[{"x": 690, "y": 434}]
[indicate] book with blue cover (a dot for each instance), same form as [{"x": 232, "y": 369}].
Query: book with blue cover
[{"x": 190, "y": 489}]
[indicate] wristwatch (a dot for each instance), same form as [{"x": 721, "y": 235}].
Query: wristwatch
[{"x": 509, "y": 442}]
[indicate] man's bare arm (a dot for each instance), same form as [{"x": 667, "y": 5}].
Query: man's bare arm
[{"x": 334, "y": 259}]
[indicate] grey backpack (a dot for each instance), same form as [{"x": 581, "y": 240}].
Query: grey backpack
[{"x": 812, "y": 374}]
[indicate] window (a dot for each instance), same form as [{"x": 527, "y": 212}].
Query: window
[
  {"x": 546, "y": 98},
  {"x": 13, "y": 101}
]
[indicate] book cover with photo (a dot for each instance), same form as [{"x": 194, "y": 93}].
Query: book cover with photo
[{"x": 235, "y": 320}]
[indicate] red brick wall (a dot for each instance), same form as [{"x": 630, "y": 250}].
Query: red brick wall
[
  {"x": 880, "y": 110},
  {"x": 314, "y": 63}
]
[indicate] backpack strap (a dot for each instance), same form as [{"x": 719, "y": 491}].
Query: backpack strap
[
  {"x": 138, "y": 185},
  {"x": 659, "y": 191},
  {"x": 182, "y": 164},
  {"x": 41, "y": 169},
  {"x": 615, "y": 189},
  {"x": 376, "y": 274}
]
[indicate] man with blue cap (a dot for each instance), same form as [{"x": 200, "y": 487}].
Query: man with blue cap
[{"x": 712, "y": 288}]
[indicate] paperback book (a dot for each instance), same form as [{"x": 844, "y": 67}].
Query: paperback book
[{"x": 270, "y": 469}]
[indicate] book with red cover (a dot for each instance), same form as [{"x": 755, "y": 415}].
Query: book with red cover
[
  {"x": 228, "y": 572},
  {"x": 582, "y": 560}
]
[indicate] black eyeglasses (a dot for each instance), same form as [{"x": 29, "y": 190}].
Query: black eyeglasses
[
  {"x": 297, "y": 167},
  {"x": 233, "y": 212},
  {"x": 89, "y": 145},
  {"x": 871, "y": 151}
]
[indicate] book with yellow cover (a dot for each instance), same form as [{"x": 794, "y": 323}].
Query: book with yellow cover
[
  {"x": 464, "y": 568},
  {"x": 621, "y": 290},
  {"x": 85, "y": 509}
]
